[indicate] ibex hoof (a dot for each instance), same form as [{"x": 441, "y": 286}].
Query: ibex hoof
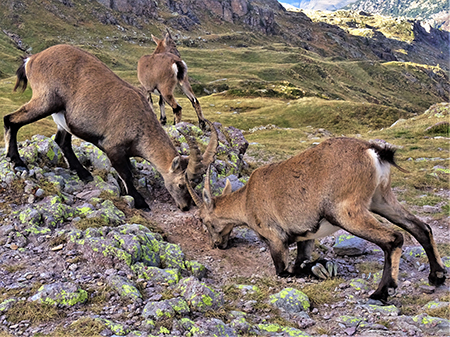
[
  {"x": 17, "y": 164},
  {"x": 332, "y": 268},
  {"x": 438, "y": 278},
  {"x": 320, "y": 271},
  {"x": 325, "y": 272}
]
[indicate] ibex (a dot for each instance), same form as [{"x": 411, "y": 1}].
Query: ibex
[
  {"x": 161, "y": 71},
  {"x": 86, "y": 99},
  {"x": 335, "y": 185}
]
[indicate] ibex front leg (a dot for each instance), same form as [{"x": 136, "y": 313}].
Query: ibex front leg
[
  {"x": 279, "y": 252},
  {"x": 64, "y": 140},
  {"x": 123, "y": 167}
]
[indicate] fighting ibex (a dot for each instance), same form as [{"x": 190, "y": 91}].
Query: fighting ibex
[
  {"x": 335, "y": 185},
  {"x": 86, "y": 99},
  {"x": 161, "y": 71}
]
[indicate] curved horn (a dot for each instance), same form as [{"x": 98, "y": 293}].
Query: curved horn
[
  {"x": 195, "y": 165},
  {"x": 197, "y": 161},
  {"x": 210, "y": 152},
  {"x": 168, "y": 33},
  {"x": 207, "y": 186},
  {"x": 197, "y": 200}
]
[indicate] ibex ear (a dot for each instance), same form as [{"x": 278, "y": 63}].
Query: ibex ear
[
  {"x": 207, "y": 199},
  {"x": 175, "y": 164},
  {"x": 155, "y": 39},
  {"x": 227, "y": 188}
]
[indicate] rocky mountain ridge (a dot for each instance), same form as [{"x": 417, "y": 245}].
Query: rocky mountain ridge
[
  {"x": 432, "y": 12},
  {"x": 243, "y": 21}
]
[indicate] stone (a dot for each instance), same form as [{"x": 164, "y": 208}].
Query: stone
[
  {"x": 290, "y": 300},
  {"x": 349, "y": 245},
  {"x": 160, "y": 310},
  {"x": 60, "y": 293},
  {"x": 432, "y": 325},
  {"x": 156, "y": 275},
  {"x": 199, "y": 296},
  {"x": 124, "y": 287},
  {"x": 216, "y": 327}
]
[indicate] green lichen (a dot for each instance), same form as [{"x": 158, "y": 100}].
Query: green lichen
[
  {"x": 36, "y": 230},
  {"x": 180, "y": 306},
  {"x": 289, "y": 293},
  {"x": 67, "y": 299},
  {"x": 352, "y": 321},
  {"x": 130, "y": 291},
  {"x": 164, "y": 330},
  {"x": 5, "y": 305},
  {"x": 116, "y": 328},
  {"x": 269, "y": 327},
  {"x": 294, "y": 332},
  {"x": 359, "y": 284},
  {"x": 387, "y": 310},
  {"x": 344, "y": 237}
]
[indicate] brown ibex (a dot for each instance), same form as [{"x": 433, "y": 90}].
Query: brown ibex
[
  {"x": 335, "y": 185},
  {"x": 161, "y": 71},
  {"x": 86, "y": 99}
]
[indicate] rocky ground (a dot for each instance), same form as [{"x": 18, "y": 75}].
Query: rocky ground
[{"x": 77, "y": 260}]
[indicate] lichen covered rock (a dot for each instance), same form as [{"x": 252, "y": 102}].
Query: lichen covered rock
[
  {"x": 199, "y": 296},
  {"x": 290, "y": 300},
  {"x": 60, "y": 293},
  {"x": 124, "y": 287}
]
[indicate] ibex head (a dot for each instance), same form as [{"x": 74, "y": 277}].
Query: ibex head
[
  {"x": 166, "y": 45},
  {"x": 219, "y": 226}
]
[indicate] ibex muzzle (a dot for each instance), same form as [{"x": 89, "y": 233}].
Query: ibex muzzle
[
  {"x": 335, "y": 185},
  {"x": 88, "y": 100}
]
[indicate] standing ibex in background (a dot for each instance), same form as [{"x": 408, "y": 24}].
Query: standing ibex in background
[
  {"x": 161, "y": 71},
  {"x": 332, "y": 186},
  {"x": 86, "y": 99}
]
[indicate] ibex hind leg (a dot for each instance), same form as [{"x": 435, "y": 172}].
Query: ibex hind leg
[
  {"x": 391, "y": 209},
  {"x": 360, "y": 222},
  {"x": 26, "y": 114},
  {"x": 64, "y": 140},
  {"x": 187, "y": 89}
]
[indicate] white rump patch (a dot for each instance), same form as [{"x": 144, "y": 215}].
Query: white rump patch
[
  {"x": 382, "y": 169},
  {"x": 175, "y": 69},
  {"x": 60, "y": 120}
]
